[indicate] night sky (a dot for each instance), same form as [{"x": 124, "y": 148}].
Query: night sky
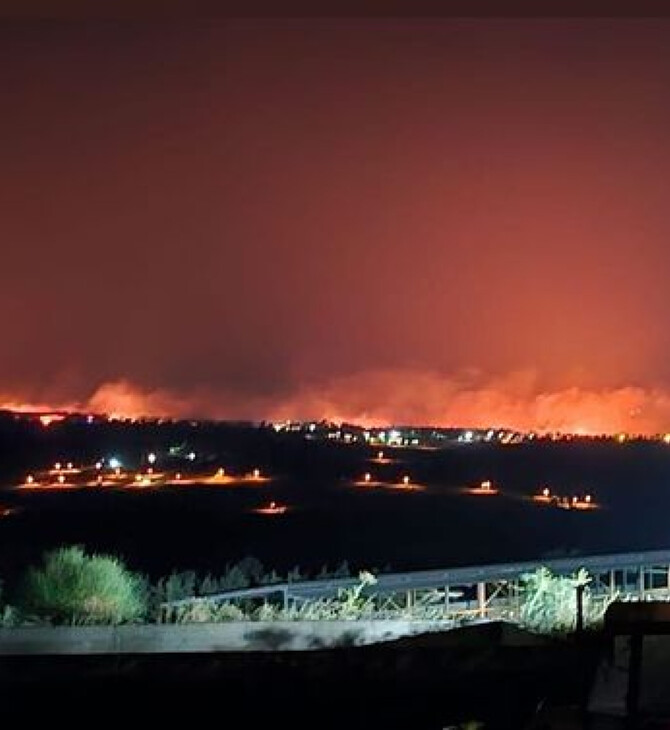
[{"x": 450, "y": 222}]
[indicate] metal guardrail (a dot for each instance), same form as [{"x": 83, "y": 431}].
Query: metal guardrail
[{"x": 446, "y": 579}]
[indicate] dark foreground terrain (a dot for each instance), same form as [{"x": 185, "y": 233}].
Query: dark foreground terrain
[{"x": 490, "y": 673}]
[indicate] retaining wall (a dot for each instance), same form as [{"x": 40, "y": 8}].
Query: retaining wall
[{"x": 230, "y": 636}]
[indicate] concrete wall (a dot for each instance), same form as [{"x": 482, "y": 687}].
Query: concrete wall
[{"x": 219, "y": 637}]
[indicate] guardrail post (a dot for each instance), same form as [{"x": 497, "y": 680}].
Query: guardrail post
[
  {"x": 517, "y": 591},
  {"x": 612, "y": 583},
  {"x": 641, "y": 582},
  {"x": 446, "y": 600},
  {"x": 481, "y": 599},
  {"x": 580, "y": 609}
]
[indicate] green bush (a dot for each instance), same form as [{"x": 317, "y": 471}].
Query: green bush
[
  {"x": 205, "y": 612},
  {"x": 549, "y": 602},
  {"x": 72, "y": 587}
]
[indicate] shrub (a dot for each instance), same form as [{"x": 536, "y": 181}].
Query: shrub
[
  {"x": 9, "y": 617},
  {"x": 72, "y": 587},
  {"x": 549, "y": 602},
  {"x": 203, "y": 611}
]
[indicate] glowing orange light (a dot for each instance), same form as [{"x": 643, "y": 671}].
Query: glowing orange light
[
  {"x": 138, "y": 477},
  {"x": 405, "y": 480},
  {"x": 380, "y": 455},
  {"x": 61, "y": 479},
  {"x": 545, "y": 492},
  {"x": 150, "y": 470},
  {"x": 486, "y": 484},
  {"x": 587, "y": 499},
  {"x": 574, "y": 500},
  {"x": 177, "y": 476},
  {"x": 47, "y": 420},
  {"x": 57, "y": 466},
  {"x": 117, "y": 471},
  {"x": 256, "y": 473},
  {"x": 272, "y": 509},
  {"x": 367, "y": 477},
  {"x": 30, "y": 479},
  {"x": 69, "y": 465},
  {"x": 221, "y": 472}
]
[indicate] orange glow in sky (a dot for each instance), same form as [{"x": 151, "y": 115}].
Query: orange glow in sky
[
  {"x": 449, "y": 221},
  {"x": 381, "y": 398}
]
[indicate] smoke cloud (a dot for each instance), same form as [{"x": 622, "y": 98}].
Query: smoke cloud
[{"x": 407, "y": 397}]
